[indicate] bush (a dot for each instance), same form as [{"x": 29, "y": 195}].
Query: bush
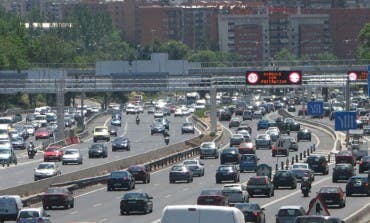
[{"x": 200, "y": 112}]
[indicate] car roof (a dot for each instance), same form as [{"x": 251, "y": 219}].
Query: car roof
[
  {"x": 32, "y": 209},
  {"x": 291, "y": 207}
]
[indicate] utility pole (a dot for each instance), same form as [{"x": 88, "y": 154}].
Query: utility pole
[
  {"x": 347, "y": 104},
  {"x": 60, "y": 109},
  {"x": 212, "y": 93}
]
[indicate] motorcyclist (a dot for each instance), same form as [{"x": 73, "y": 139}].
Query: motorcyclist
[
  {"x": 31, "y": 148},
  {"x": 306, "y": 182},
  {"x": 166, "y": 134},
  {"x": 137, "y": 119}
]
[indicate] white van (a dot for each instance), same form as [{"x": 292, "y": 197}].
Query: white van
[
  {"x": 4, "y": 134},
  {"x": 9, "y": 207},
  {"x": 201, "y": 214}
]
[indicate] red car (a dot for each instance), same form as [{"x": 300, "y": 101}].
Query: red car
[
  {"x": 57, "y": 197},
  {"x": 333, "y": 195},
  {"x": 42, "y": 133},
  {"x": 53, "y": 153},
  {"x": 247, "y": 148},
  {"x": 345, "y": 157},
  {"x": 212, "y": 197},
  {"x": 140, "y": 173}
]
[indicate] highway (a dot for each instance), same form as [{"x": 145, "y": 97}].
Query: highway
[
  {"x": 139, "y": 135},
  {"x": 98, "y": 205}
]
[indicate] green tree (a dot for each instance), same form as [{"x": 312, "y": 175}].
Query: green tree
[
  {"x": 326, "y": 56},
  {"x": 176, "y": 50},
  {"x": 364, "y": 40}
]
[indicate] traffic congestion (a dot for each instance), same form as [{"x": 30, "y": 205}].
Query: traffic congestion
[{"x": 270, "y": 168}]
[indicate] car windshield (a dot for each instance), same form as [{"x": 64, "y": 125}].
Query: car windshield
[
  {"x": 366, "y": 158},
  {"x": 55, "y": 190},
  {"x": 133, "y": 196},
  {"x": 96, "y": 146},
  {"x": 118, "y": 174},
  {"x": 262, "y": 137},
  {"x": 225, "y": 168},
  {"x": 289, "y": 212},
  {"x": 51, "y": 149},
  {"x": 45, "y": 166},
  {"x": 329, "y": 190},
  {"x": 29, "y": 214},
  {"x": 190, "y": 162},
  {"x": 299, "y": 166},
  {"x": 187, "y": 124},
  {"x": 248, "y": 207},
  {"x": 312, "y": 159},
  {"x": 211, "y": 192},
  {"x": 4, "y": 151},
  {"x": 71, "y": 152},
  {"x": 283, "y": 174},
  {"x": 208, "y": 145},
  {"x": 177, "y": 168},
  {"x": 257, "y": 181},
  {"x": 342, "y": 167},
  {"x": 3, "y": 131},
  {"x": 248, "y": 158},
  {"x": 100, "y": 129}
]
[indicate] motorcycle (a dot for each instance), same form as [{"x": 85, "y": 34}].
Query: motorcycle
[
  {"x": 31, "y": 153},
  {"x": 167, "y": 140},
  {"x": 305, "y": 191},
  {"x": 137, "y": 121}
]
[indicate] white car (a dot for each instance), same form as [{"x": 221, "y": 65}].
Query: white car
[
  {"x": 208, "y": 149},
  {"x": 30, "y": 129},
  {"x": 31, "y": 215},
  {"x": 195, "y": 166},
  {"x": 46, "y": 169},
  {"x": 72, "y": 156},
  {"x": 158, "y": 114},
  {"x": 178, "y": 112},
  {"x": 185, "y": 111}
]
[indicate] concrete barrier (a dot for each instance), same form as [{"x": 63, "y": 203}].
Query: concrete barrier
[{"x": 360, "y": 216}]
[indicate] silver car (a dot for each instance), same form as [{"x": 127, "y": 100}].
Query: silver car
[
  {"x": 31, "y": 215},
  {"x": 46, "y": 169},
  {"x": 287, "y": 214},
  {"x": 236, "y": 193},
  {"x": 195, "y": 166},
  {"x": 72, "y": 156},
  {"x": 208, "y": 149}
]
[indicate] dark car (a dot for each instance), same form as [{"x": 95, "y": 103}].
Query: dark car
[
  {"x": 284, "y": 178},
  {"x": 30, "y": 117},
  {"x": 112, "y": 130},
  {"x": 212, "y": 197},
  {"x": 367, "y": 130},
  {"x": 260, "y": 185},
  {"x": 333, "y": 195},
  {"x": 164, "y": 122},
  {"x": 236, "y": 139},
  {"x": 136, "y": 202},
  {"x": 180, "y": 173},
  {"x": 140, "y": 173},
  {"x": 247, "y": 115},
  {"x": 57, "y": 197},
  {"x": 227, "y": 173},
  {"x": 120, "y": 179},
  {"x": 345, "y": 156},
  {"x": 262, "y": 124},
  {"x": 343, "y": 171},
  {"x": 230, "y": 155},
  {"x": 318, "y": 164},
  {"x": 157, "y": 127},
  {"x": 252, "y": 212},
  {"x": 304, "y": 134},
  {"x": 121, "y": 143},
  {"x": 364, "y": 164},
  {"x": 98, "y": 150},
  {"x": 244, "y": 126},
  {"x": 248, "y": 162},
  {"x": 187, "y": 127},
  {"x": 284, "y": 128},
  {"x": 225, "y": 115},
  {"x": 358, "y": 185},
  {"x": 291, "y": 108},
  {"x": 67, "y": 122},
  {"x": 234, "y": 122},
  {"x": 295, "y": 126}
]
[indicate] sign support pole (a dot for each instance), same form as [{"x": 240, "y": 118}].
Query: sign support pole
[{"x": 347, "y": 106}]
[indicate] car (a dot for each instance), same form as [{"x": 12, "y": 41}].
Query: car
[
  {"x": 360, "y": 124},
  {"x": 364, "y": 164},
  {"x": 30, "y": 129},
  {"x": 248, "y": 162},
  {"x": 284, "y": 128},
  {"x": 247, "y": 148},
  {"x": 236, "y": 139},
  {"x": 366, "y": 130},
  {"x": 235, "y": 193},
  {"x": 244, "y": 126},
  {"x": 230, "y": 155},
  {"x": 46, "y": 170},
  {"x": 302, "y": 169},
  {"x": 7, "y": 156},
  {"x": 58, "y": 197},
  {"x": 42, "y": 133},
  {"x": 180, "y": 173},
  {"x": 72, "y": 156},
  {"x": 136, "y": 202},
  {"x": 67, "y": 122},
  {"x": 101, "y": 133},
  {"x": 288, "y": 213},
  {"x": 195, "y": 166},
  {"x": 158, "y": 114},
  {"x": 116, "y": 122},
  {"x": 318, "y": 163},
  {"x": 120, "y": 179},
  {"x": 260, "y": 185},
  {"x": 29, "y": 215},
  {"x": 53, "y": 152},
  {"x": 234, "y": 122},
  {"x": 30, "y": 117},
  {"x": 345, "y": 156},
  {"x": 164, "y": 122},
  {"x": 187, "y": 127},
  {"x": 140, "y": 173},
  {"x": 225, "y": 115},
  {"x": 98, "y": 150},
  {"x": 289, "y": 142},
  {"x": 178, "y": 112},
  {"x": 342, "y": 171},
  {"x": 272, "y": 123},
  {"x": 358, "y": 185},
  {"x": 22, "y": 131},
  {"x": 315, "y": 218},
  {"x": 263, "y": 141},
  {"x": 332, "y": 195},
  {"x": 208, "y": 149},
  {"x": 303, "y": 134},
  {"x": 121, "y": 143},
  {"x": 262, "y": 124},
  {"x": 157, "y": 128},
  {"x": 212, "y": 196},
  {"x": 151, "y": 110},
  {"x": 291, "y": 108},
  {"x": 284, "y": 178},
  {"x": 116, "y": 115},
  {"x": 274, "y": 135},
  {"x": 258, "y": 114},
  {"x": 252, "y": 212},
  {"x": 247, "y": 115},
  {"x": 247, "y": 136},
  {"x": 280, "y": 149},
  {"x": 18, "y": 142},
  {"x": 112, "y": 130},
  {"x": 227, "y": 173},
  {"x": 295, "y": 126}
]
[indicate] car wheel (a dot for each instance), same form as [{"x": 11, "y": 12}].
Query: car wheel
[
  {"x": 201, "y": 157},
  {"x": 123, "y": 213},
  {"x": 73, "y": 204},
  {"x": 218, "y": 181},
  {"x": 45, "y": 207},
  {"x": 63, "y": 163},
  {"x": 109, "y": 188},
  {"x": 348, "y": 194},
  {"x": 334, "y": 180}
]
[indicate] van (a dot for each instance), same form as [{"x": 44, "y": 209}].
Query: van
[
  {"x": 4, "y": 134},
  {"x": 9, "y": 207},
  {"x": 201, "y": 214}
]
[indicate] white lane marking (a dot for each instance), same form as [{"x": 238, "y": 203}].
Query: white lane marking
[
  {"x": 168, "y": 195},
  {"x": 97, "y": 205},
  {"x": 185, "y": 189},
  {"x": 90, "y": 192},
  {"x": 356, "y": 212},
  {"x": 73, "y": 212},
  {"x": 156, "y": 185},
  {"x": 104, "y": 220},
  {"x": 317, "y": 139}
]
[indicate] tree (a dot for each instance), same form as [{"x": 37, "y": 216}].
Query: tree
[
  {"x": 176, "y": 50},
  {"x": 364, "y": 40}
]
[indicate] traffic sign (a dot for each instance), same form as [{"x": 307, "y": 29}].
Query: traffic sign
[
  {"x": 318, "y": 207},
  {"x": 315, "y": 108},
  {"x": 357, "y": 75},
  {"x": 264, "y": 170},
  {"x": 345, "y": 121},
  {"x": 273, "y": 78}
]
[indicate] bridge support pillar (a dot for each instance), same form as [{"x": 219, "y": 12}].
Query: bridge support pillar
[
  {"x": 60, "y": 109},
  {"x": 105, "y": 101},
  {"x": 213, "y": 114},
  {"x": 82, "y": 124}
]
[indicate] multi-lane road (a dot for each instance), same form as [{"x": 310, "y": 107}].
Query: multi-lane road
[{"x": 139, "y": 136}]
